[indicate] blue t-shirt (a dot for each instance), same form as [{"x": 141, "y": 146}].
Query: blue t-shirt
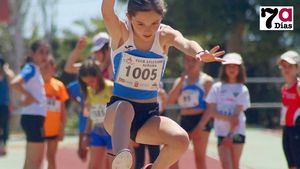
[
  {"x": 76, "y": 94},
  {"x": 4, "y": 90}
]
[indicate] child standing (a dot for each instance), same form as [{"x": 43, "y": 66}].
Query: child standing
[
  {"x": 189, "y": 91},
  {"x": 30, "y": 84},
  {"x": 290, "y": 112},
  {"x": 97, "y": 91},
  {"x": 56, "y": 115},
  {"x": 227, "y": 100}
]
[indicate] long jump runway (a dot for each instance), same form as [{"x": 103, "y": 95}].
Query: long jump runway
[{"x": 263, "y": 150}]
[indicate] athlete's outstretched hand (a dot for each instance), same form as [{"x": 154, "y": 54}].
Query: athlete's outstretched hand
[{"x": 211, "y": 56}]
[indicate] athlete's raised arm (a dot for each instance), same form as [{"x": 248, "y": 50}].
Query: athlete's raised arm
[
  {"x": 191, "y": 48},
  {"x": 114, "y": 25}
]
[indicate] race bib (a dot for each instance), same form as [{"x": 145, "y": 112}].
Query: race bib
[
  {"x": 226, "y": 109},
  {"x": 189, "y": 98},
  {"x": 53, "y": 105},
  {"x": 97, "y": 113},
  {"x": 140, "y": 73}
]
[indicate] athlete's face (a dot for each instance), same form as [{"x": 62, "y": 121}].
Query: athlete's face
[
  {"x": 191, "y": 65},
  {"x": 40, "y": 56},
  {"x": 288, "y": 70},
  {"x": 145, "y": 24},
  {"x": 232, "y": 71},
  {"x": 102, "y": 57},
  {"x": 91, "y": 81},
  {"x": 99, "y": 55}
]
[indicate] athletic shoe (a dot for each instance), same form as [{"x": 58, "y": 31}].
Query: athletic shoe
[{"x": 123, "y": 160}]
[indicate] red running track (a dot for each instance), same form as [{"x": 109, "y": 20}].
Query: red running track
[{"x": 67, "y": 158}]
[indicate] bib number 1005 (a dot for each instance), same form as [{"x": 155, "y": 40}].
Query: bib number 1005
[{"x": 138, "y": 73}]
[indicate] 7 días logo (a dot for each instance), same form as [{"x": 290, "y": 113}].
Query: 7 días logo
[{"x": 276, "y": 18}]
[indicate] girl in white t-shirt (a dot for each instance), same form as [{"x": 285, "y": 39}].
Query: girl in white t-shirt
[
  {"x": 30, "y": 84},
  {"x": 227, "y": 100}
]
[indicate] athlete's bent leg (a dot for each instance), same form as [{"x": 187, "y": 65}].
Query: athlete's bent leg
[
  {"x": 163, "y": 131},
  {"x": 117, "y": 122}
]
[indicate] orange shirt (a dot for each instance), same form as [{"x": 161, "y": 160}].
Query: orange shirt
[{"x": 56, "y": 96}]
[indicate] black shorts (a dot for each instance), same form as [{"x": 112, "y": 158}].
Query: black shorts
[
  {"x": 237, "y": 139},
  {"x": 4, "y": 123},
  {"x": 142, "y": 113},
  {"x": 164, "y": 113},
  {"x": 49, "y": 138},
  {"x": 190, "y": 122},
  {"x": 33, "y": 127},
  {"x": 291, "y": 145}
]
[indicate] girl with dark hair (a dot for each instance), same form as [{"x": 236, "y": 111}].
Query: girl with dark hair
[
  {"x": 30, "y": 84},
  {"x": 101, "y": 53},
  {"x": 139, "y": 55},
  {"x": 227, "y": 101},
  {"x": 97, "y": 91}
]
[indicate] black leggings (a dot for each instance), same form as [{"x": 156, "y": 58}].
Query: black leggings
[
  {"x": 140, "y": 154},
  {"x": 4, "y": 124},
  {"x": 291, "y": 145}
]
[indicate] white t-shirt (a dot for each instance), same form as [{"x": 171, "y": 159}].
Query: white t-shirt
[
  {"x": 34, "y": 84},
  {"x": 227, "y": 97}
]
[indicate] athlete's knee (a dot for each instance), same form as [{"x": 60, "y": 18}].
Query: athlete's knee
[{"x": 181, "y": 141}]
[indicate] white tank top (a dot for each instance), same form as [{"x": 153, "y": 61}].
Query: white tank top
[
  {"x": 137, "y": 73},
  {"x": 129, "y": 44}
]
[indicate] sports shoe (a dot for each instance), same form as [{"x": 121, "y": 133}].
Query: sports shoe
[{"x": 123, "y": 160}]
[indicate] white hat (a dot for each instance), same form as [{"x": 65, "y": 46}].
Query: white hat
[
  {"x": 99, "y": 41},
  {"x": 291, "y": 57},
  {"x": 232, "y": 58}
]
